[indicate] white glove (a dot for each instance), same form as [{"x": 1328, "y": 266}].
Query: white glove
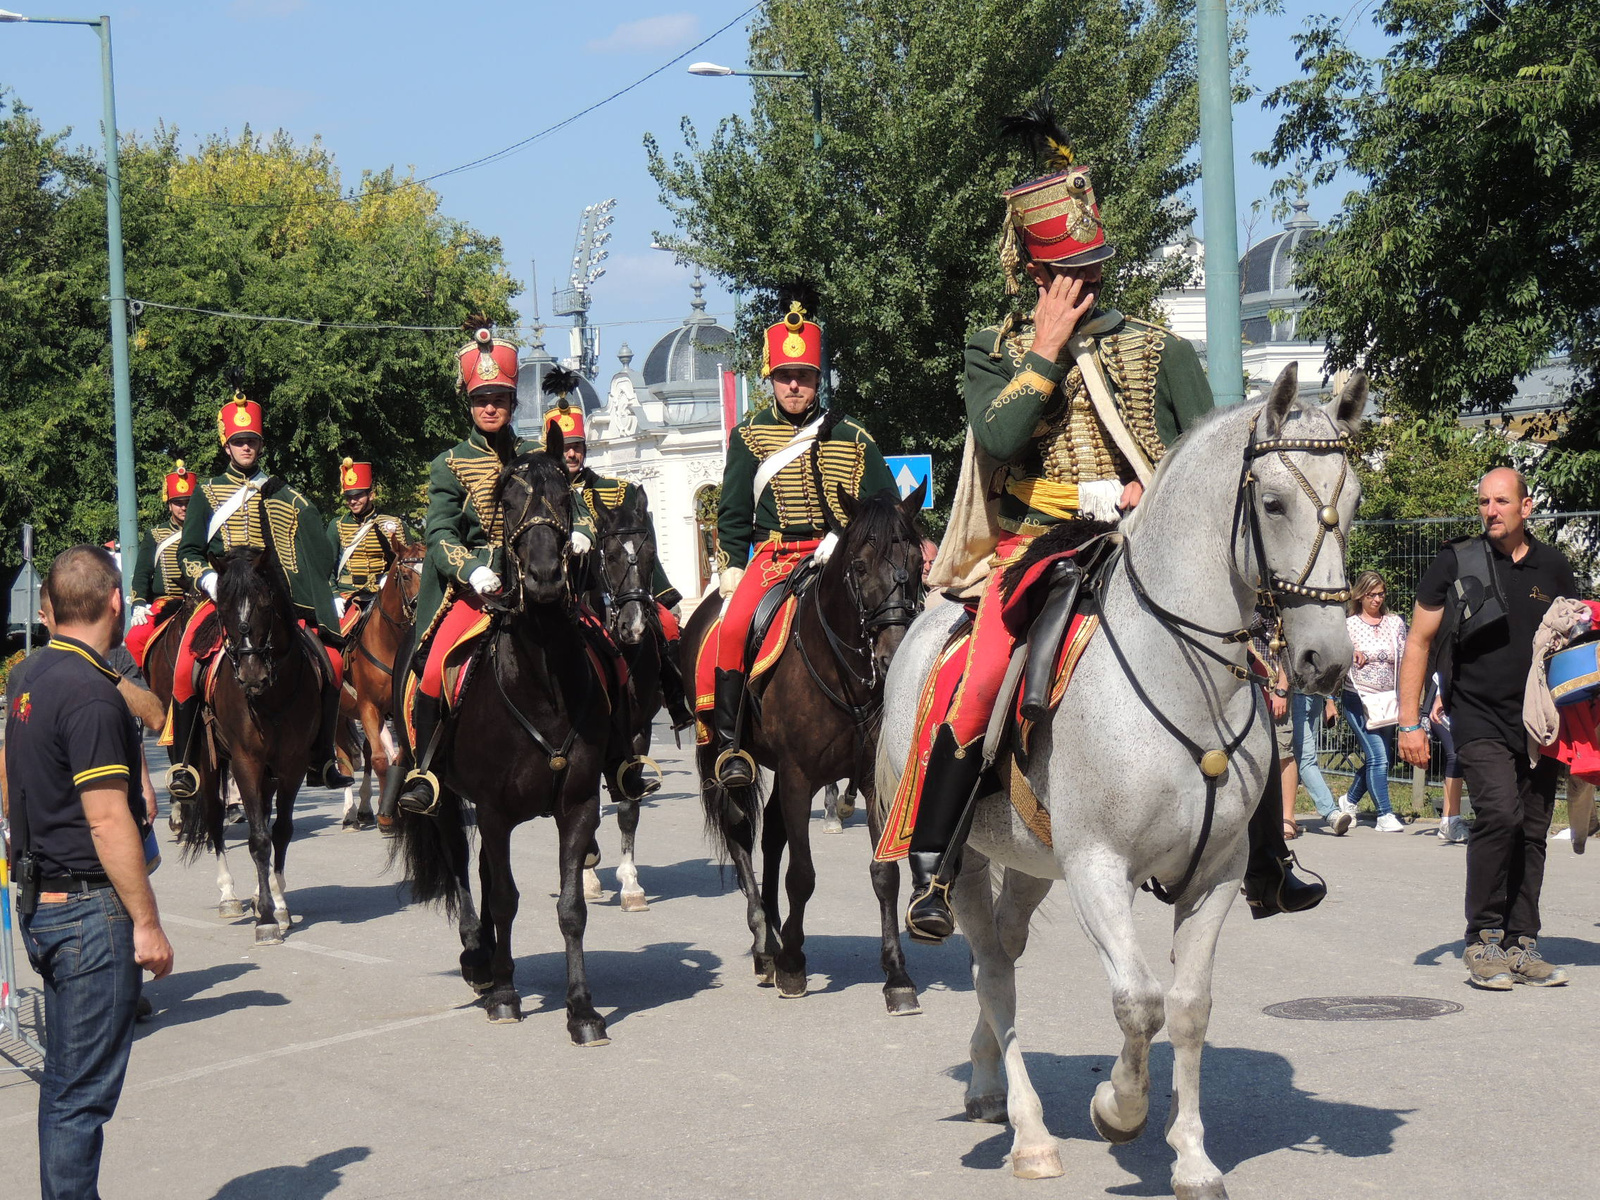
[
  {"x": 1099, "y": 500},
  {"x": 825, "y": 548},
  {"x": 338, "y": 607},
  {"x": 484, "y": 581},
  {"x": 580, "y": 542},
  {"x": 141, "y": 614},
  {"x": 208, "y": 584},
  {"x": 729, "y": 581}
]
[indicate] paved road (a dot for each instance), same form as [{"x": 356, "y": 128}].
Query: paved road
[{"x": 351, "y": 1060}]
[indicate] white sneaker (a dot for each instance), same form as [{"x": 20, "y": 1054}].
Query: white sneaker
[
  {"x": 1389, "y": 823},
  {"x": 1453, "y": 830},
  {"x": 1340, "y": 823},
  {"x": 1345, "y": 806}
]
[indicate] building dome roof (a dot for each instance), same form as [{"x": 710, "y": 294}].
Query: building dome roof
[
  {"x": 692, "y": 352},
  {"x": 1268, "y": 266},
  {"x": 530, "y": 384}
]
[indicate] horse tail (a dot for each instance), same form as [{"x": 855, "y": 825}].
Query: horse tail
[
  {"x": 424, "y": 844},
  {"x": 726, "y": 810},
  {"x": 202, "y": 818},
  {"x": 886, "y": 782}
]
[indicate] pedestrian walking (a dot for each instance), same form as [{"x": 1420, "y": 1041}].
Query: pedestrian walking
[
  {"x": 85, "y": 908},
  {"x": 1371, "y": 703},
  {"x": 1479, "y": 603},
  {"x": 1452, "y": 825},
  {"x": 1304, "y": 740}
]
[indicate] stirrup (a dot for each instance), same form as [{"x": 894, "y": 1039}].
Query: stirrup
[
  {"x": 728, "y": 756},
  {"x": 416, "y": 805},
  {"x": 1273, "y": 902},
  {"x": 189, "y": 788},
  {"x": 648, "y": 787},
  {"x": 915, "y": 932}
]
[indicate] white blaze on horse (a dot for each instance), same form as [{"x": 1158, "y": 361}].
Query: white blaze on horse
[{"x": 1251, "y": 505}]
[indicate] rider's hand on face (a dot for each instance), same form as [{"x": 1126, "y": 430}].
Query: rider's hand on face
[{"x": 1063, "y": 303}]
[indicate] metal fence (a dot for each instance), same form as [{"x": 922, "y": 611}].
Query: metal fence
[{"x": 1400, "y": 551}]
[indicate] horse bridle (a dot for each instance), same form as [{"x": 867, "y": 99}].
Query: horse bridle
[
  {"x": 623, "y": 595},
  {"x": 531, "y": 519},
  {"x": 898, "y": 608}
]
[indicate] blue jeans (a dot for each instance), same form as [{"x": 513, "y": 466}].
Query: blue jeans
[
  {"x": 1307, "y": 718},
  {"x": 1374, "y": 773},
  {"x": 83, "y": 950}
]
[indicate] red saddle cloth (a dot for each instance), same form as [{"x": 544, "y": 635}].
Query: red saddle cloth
[{"x": 139, "y": 638}]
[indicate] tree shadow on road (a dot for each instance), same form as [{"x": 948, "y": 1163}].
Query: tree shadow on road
[
  {"x": 1251, "y": 1108},
  {"x": 177, "y": 999},
  {"x": 631, "y": 981},
  {"x": 316, "y": 1179}
]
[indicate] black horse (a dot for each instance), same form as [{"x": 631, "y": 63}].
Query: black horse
[
  {"x": 623, "y": 566},
  {"x": 816, "y": 721},
  {"x": 528, "y": 740}
]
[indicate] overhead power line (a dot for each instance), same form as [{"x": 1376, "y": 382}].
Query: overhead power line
[{"x": 374, "y": 326}]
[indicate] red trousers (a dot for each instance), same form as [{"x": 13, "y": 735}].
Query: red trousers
[
  {"x": 769, "y": 566},
  {"x": 183, "y": 669},
  {"x": 137, "y": 639},
  {"x": 464, "y": 612},
  {"x": 988, "y": 653}
]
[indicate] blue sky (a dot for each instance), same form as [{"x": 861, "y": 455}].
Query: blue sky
[{"x": 432, "y": 86}]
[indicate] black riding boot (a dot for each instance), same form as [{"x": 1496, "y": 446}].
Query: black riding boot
[
  {"x": 734, "y": 768},
  {"x": 324, "y": 770},
  {"x": 1270, "y": 885},
  {"x": 672, "y": 691},
  {"x": 183, "y": 777},
  {"x": 935, "y": 856},
  {"x": 421, "y": 792}
]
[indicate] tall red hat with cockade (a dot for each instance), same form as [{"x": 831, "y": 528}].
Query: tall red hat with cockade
[
  {"x": 1055, "y": 219},
  {"x": 792, "y": 342},
  {"x": 565, "y": 416},
  {"x": 355, "y": 476},
  {"x": 239, "y": 415},
  {"x": 486, "y": 361},
  {"x": 180, "y": 483}
]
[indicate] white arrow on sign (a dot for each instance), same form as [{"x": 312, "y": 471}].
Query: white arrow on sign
[{"x": 906, "y": 482}]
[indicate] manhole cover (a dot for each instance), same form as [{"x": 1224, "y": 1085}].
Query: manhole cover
[{"x": 1362, "y": 1008}]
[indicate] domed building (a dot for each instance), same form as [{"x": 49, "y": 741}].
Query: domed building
[
  {"x": 662, "y": 429},
  {"x": 532, "y": 401}
]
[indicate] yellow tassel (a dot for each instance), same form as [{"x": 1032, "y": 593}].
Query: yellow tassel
[{"x": 1011, "y": 256}]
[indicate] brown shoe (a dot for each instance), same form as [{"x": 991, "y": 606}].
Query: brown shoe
[
  {"x": 1487, "y": 964},
  {"x": 1528, "y": 965}
]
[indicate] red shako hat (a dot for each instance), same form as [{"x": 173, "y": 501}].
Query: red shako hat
[
  {"x": 486, "y": 361},
  {"x": 792, "y": 342},
  {"x": 180, "y": 483},
  {"x": 355, "y": 476}
]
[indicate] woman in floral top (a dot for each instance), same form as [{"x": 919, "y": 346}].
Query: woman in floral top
[{"x": 1379, "y": 638}]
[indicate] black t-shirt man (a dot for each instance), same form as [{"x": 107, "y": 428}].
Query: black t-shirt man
[
  {"x": 66, "y": 727},
  {"x": 1491, "y": 668}
]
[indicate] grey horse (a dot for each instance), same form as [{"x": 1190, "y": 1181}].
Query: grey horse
[{"x": 1255, "y": 496}]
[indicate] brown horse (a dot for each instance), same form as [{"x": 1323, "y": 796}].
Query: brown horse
[
  {"x": 160, "y": 659},
  {"x": 815, "y": 722},
  {"x": 369, "y": 666},
  {"x": 261, "y": 720}
]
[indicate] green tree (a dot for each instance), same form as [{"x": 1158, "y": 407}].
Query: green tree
[
  {"x": 890, "y": 231},
  {"x": 1470, "y": 253},
  {"x": 250, "y": 225}
]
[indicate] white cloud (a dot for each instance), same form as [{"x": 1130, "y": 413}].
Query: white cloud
[
  {"x": 651, "y": 33},
  {"x": 264, "y": 10}
]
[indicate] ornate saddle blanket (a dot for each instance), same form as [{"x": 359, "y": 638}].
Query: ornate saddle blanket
[{"x": 356, "y": 608}]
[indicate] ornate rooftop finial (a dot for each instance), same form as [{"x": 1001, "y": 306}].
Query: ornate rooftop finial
[
  {"x": 624, "y": 356},
  {"x": 699, "y": 288}
]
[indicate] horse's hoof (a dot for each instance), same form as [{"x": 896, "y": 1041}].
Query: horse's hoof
[
  {"x": 231, "y": 910},
  {"x": 766, "y": 972},
  {"x": 832, "y": 825},
  {"x": 504, "y": 1013},
  {"x": 589, "y": 1033},
  {"x": 1200, "y": 1191},
  {"x": 845, "y": 808},
  {"x": 591, "y": 885},
  {"x": 902, "y": 1002},
  {"x": 1038, "y": 1164},
  {"x": 269, "y": 935},
  {"x": 365, "y": 821},
  {"x": 991, "y": 1109},
  {"x": 350, "y": 825},
  {"x": 791, "y": 986},
  {"x": 634, "y": 902},
  {"x": 387, "y": 826},
  {"x": 1101, "y": 1119},
  {"x": 234, "y": 815}
]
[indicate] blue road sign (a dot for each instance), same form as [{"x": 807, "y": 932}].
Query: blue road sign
[{"x": 908, "y": 471}]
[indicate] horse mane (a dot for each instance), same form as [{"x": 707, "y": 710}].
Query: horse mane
[
  {"x": 878, "y": 519},
  {"x": 1058, "y": 539},
  {"x": 238, "y": 581},
  {"x": 543, "y": 469}
]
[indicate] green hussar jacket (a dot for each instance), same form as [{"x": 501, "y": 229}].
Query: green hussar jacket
[
  {"x": 1035, "y": 415},
  {"x": 463, "y": 523},
  {"x": 613, "y": 493},
  {"x": 156, "y": 576},
  {"x": 277, "y": 509},
  {"x": 369, "y": 560},
  {"x": 791, "y": 506}
]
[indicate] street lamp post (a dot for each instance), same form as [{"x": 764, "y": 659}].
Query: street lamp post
[
  {"x": 121, "y": 393},
  {"x": 1224, "y": 346},
  {"x": 825, "y": 385}
]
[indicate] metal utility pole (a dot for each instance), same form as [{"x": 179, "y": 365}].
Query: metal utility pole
[
  {"x": 1224, "y": 336},
  {"x": 574, "y": 299}
]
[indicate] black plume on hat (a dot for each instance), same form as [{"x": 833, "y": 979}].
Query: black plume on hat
[
  {"x": 561, "y": 382},
  {"x": 1039, "y": 130}
]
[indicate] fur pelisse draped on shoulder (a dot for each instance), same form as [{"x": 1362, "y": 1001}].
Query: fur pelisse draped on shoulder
[{"x": 1057, "y": 540}]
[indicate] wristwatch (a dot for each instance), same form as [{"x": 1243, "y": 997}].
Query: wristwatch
[{"x": 1281, "y": 693}]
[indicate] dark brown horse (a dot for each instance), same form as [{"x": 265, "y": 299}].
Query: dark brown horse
[
  {"x": 160, "y": 659},
  {"x": 369, "y": 663},
  {"x": 816, "y": 721},
  {"x": 261, "y": 720},
  {"x": 527, "y": 741},
  {"x": 624, "y": 564}
]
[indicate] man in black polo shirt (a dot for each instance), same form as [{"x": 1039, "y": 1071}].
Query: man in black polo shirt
[
  {"x": 71, "y": 755},
  {"x": 1513, "y": 800}
]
